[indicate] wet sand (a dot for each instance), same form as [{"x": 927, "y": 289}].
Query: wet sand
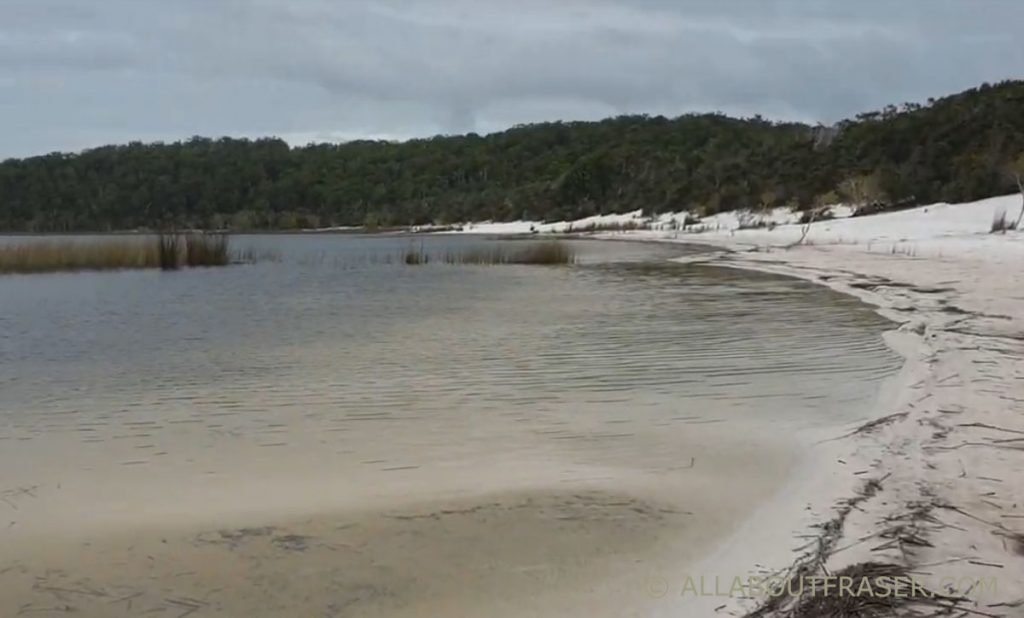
[
  {"x": 541, "y": 553},
  {"x": 558, "y": 538}
]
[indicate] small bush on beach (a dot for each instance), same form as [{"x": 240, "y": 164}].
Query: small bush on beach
[
  {"x": 813, "y": 216},
  {"x": 1000, "y": 224},
  {"x": 750, "y": 221}
]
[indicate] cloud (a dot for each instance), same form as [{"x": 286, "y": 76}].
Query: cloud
[{"x": 76, "y": 73}]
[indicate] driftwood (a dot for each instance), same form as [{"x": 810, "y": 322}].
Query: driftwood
[{"x": 806, "y": 227}]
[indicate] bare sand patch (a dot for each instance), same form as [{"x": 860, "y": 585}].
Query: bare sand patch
[
  {"x": 515, "y": 553},
  {"x": 929, "y": 484}
]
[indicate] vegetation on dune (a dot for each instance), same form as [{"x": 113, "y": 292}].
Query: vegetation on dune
[
  {"x": 953, "y": 149},
  {"x": 165, "y": 251}
]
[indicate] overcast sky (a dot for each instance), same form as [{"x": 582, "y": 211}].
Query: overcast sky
[{"x": 81, "y": 73}]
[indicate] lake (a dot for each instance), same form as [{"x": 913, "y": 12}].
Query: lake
[{"x": 333, "y": 432}]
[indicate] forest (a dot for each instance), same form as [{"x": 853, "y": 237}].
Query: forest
[{"x": 957, "y": 148}]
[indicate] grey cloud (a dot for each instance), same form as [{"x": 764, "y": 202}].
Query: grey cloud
[{"x": 75, "y": 73}]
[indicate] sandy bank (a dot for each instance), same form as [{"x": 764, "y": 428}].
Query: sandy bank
[{"x": 932, "y": 482}]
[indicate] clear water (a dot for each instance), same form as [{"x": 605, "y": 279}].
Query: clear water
[
  {"x": 332, "y": 379},
  {"x": 332, "y": 336}
]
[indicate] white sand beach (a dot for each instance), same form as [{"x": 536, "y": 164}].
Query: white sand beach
[{"x": 933, "y": 481}]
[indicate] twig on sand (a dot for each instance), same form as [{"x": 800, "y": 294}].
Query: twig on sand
[
  {"x": 190, "y": 606},
  {"x": 994, "y": 427},
  {"x": 872, "y": 425},
  {"x": 988, "y": 564}
]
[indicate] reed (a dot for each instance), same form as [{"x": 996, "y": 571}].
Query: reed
[
  {"x": 207, "y": 250},
  {"x": 168, "y": 248},
  {"x": 53, "y": 256},
  {"x": 545, "y": 253},
  {"x": 414, "y": 256},
  {"x": 165, "y": 251}
]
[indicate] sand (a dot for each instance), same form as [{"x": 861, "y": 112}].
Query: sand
[
  {"x": 507, "y": 554},
  {"x": 936, "y": 474},
  {"x": 545, "y": 543}
]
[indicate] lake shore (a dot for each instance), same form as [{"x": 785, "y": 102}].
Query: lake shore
[
  {"x": 337, "y": 468},
  {"x": 925, "y": 480},
  {"x": 929, "y": 482}
]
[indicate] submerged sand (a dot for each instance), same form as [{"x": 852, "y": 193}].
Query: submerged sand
[
  {"x": 515, "y": 553},
  {"x": 423, "y": 545},
  {"x": 498, "y": 461}
]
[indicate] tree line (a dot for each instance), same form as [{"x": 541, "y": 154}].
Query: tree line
[{"x": 957, "y": 148}]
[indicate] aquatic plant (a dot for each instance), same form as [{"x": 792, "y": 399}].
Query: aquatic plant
[
  {"x": 414, "y": 256},
  {"x": 551, "y": 252},
  {"x": 168, "y": 251},
  {"x": 207, "y": 250},
  {"x": 51, "y": 256},
  {"x": 543, "y": 253}
]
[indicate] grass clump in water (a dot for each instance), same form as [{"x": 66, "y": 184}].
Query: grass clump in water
[
  {"x": 165, "y": 251},
  {"x": 168, "y": 248},
  {"x": 207, "y": 250},
  {"x": 546, "y": 253},
  {"x": 54, "y": 256},
  {"x": 543, "y": 253},
  {"x": 415, "y": 256}
]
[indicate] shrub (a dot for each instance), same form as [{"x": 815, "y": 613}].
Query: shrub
[{"x": 1000, "y": 224}]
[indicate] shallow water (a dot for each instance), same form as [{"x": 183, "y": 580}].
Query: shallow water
[{"x": 140, "y": 407}]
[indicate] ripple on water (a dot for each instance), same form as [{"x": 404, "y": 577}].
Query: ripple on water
[{"x": 440, "y": 363}]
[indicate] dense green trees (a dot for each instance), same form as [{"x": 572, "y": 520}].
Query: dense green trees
[{"x": 954, "y": 149}]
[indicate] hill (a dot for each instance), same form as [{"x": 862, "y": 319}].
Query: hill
[{"x": 953, "y": 149}]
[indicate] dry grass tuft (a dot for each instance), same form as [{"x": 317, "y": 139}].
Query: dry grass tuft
[
  {"x": 54, "y": 256},
  {"x": 544, "y": 253},
  {"x": 860, "y": 577},
  {"x": 165, "y": 251},
  {"x": 207, "y": 250},
  {"x": 168, "y": 250},
  {"x": 415, "y": 256}
]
